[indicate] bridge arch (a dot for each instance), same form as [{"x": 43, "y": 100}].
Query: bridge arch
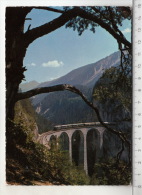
[
  {"x": 53, "y": 138},
  {"x": 93, "y": 149},
  {"x": 53, "y": 141},
  {"x": 78, "y": 147},
  {"x": 64, "y": 141}
]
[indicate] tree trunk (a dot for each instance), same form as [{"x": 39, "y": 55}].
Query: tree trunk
[
  {"x": 15, "y": 52},
  {"x": 16, "y": 44}
]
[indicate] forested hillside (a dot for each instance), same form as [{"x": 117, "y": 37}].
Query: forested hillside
[
  {"x": 31, "y": 163},
  {"x": 42, "y": 123},
  {"x": 113, "y": 95},
  {"x": 66, "y": 107}
]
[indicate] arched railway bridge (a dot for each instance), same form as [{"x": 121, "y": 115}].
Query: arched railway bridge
[{"x": 79, "y": 139}]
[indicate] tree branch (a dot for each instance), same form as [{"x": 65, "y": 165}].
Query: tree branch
[
  {"x": 37, "y": 32},
  {"x": 50, "y": 9},
  {"x": 120, "y": 152},
  {"x": 73, "y": 89},
  {"x": 89, "y": 16}
]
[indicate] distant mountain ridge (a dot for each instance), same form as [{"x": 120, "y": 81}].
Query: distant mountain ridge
[
  {"x": 66, "y": 107},
  {"x": 84, "y": 76},
  {"x": 88, "y": 74},
  {"x": 28, "y": 86}
]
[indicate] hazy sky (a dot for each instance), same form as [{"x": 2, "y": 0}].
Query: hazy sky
[{"x": 61, "y": 51}]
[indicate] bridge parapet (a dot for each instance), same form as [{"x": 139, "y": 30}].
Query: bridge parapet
[{"x": 81, "y": 125}]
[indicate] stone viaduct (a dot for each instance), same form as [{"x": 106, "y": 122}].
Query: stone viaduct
[{"x": 69, "y": 132}]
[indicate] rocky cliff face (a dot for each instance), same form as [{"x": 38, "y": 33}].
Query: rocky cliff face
[{"x": 23, "y": 117}]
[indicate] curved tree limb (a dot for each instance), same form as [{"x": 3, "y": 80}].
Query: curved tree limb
[
  {"x": 73, "y": 89},
  {"x": 42, "y": 30},
  {"x": 50, "y": 9},
  {"x": 92, "y": 17}
]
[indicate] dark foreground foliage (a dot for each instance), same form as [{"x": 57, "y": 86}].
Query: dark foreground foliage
[
  {"x": 111, "y": 173},
  {"x": 29, "y": 162}
]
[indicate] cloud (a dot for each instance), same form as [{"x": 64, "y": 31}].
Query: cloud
[
  {"x": 127, "y": 30},
  {"x": 53, "y": 64},
  {"x": 32, "y": 64}
]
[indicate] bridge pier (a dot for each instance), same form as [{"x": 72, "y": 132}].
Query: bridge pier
[
  {"x": 85, "y": 148},
  {"x": 70, "y": 145},
  {"x": 85, "y": 153}
]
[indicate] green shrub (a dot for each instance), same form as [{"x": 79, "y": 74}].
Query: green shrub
[{"x": 111, "y": 173}]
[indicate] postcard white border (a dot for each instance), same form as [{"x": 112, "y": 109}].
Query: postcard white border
[{"x": 38, "y": 190}]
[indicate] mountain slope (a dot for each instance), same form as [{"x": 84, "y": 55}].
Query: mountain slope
[
  {"x": 27, "y": 86},
  {"x": 66, "y": 107},
  {"x": 86, "y": 75}
]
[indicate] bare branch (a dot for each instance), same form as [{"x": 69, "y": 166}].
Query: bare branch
[
  {"x": 50, "y": 9},
  {"x": 28, "y": 18},
  {"x": 92, "y": 17},
  {"x": 42, "y": 30},
  {"x": 73, "y": 89},
  {"x": 120, "y": 152},
  {"x": 29, "y": 27}
]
